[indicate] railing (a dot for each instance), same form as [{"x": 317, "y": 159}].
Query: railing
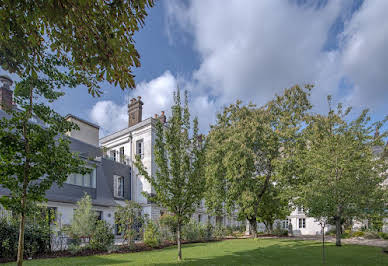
[{"x": 120, "y": 159}]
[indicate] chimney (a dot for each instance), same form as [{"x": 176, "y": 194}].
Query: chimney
[
  {"x": 162, "y": 118},
  {"x": 135, "y": 109},
  {"x": 5, "y": 93}
]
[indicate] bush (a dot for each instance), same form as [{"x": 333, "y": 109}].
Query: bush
[
  {"x": 192, "y": 232},
  {"x": 383, "y": 235},
  {"x": 168, "y": 226},
  {"x": 371, "y": 235},
  {"x": 280, "y": 232},
  {"x": 357, "y": 234},
  {"x": 36, "y": 235},
  {"x": 151, "y": 235},
  {"x": 219, "y": 232},
  {"x": 102, "y": 237}
]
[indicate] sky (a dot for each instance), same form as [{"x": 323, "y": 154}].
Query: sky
[{"x": 224, "y": 50}]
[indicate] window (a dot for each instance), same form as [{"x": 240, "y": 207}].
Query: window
[
  {"x": 140, "y": 148},
  {"x": 99, "y": 215},
  {"x": 302, "y": 223},
  {"x": 122, "y": 159},
  {"x": 300, "y": 210},
  {"x": 118, "y": 185},
  {"x": 285, "y": 224},
  {"x": 86, "y": 180},
  {"x": 113, "y": 155},
  {"x": 199, "y": 218}
]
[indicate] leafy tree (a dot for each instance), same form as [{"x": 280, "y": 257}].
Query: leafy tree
[
  {"x": 178, "y": 182},
  {"x": 34, "y": 151},
  {"x": 94, "y": 37},
  {"x": 273, "y": 206},
  {"x": 341, "y": 176},
  {"x": 129, "y": 217},
  {"x": 84, "y": 219},
  {"x": 243, "y": 149}
]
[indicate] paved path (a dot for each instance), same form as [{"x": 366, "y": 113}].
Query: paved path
[{"x": 356, "y": 240}]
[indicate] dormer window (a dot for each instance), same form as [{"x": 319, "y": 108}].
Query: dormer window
[{"x": 140, "y": 148}]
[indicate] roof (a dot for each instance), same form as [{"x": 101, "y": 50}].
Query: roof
[
  {"x": 82, "y": 120},
  {"x": 127, "y": 130}
]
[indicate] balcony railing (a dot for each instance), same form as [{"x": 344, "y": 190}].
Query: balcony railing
[{"x": 120, "y": 159}]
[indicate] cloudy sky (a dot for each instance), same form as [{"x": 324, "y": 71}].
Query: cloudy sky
[{"x": 225, "y": 50}]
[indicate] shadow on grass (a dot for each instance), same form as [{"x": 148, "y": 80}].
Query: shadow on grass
[{"x": 293, "y": 253}]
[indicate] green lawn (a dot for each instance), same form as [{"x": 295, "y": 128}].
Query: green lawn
[{"x": 238, "y": 252}]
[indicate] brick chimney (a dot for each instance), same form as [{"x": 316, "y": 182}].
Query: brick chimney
[
  {"x": 5, "y": 93},
  {"x": 135, "y": 109}
]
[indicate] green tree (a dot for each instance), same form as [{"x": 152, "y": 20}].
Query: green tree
[
  {"x": 243, "y": 149},
  {"x": 128, "y": 217},
  {"x": 84, "y": 219},
  {"x": 34, "y": 151},
  {"x": 274, "y": 205},
  {"x": 179, "y": 155},
  {"x": 341, "y": 176},
  {"x": 94, "y": 37}
]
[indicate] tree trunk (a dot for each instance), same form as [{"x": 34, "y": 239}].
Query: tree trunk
[
  {"x": 338, "y": 231},
  {"x": 253, "y": 225},
  {"x": 21, "y": 241},
  {"x": 178, "y": 234}
]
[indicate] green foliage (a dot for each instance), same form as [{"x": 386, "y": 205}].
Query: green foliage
[
  {"x": 97, "y": 45},
  {"x": 37, "y": 234},
  {"x": 129, "y": 219},
  {"x": 194, "y": 231},
  {"x": 102, "y": 237},
  {"x": 179, "y": 155},
  {"x": 151, "y": 234},
  {"x": 219, "y": 232},
  {"x": 84, "y": 219},
  {"x": 243, "y": 150},
  {"x": 383, "y": 235},
  {"x": 340, "y": 175}
]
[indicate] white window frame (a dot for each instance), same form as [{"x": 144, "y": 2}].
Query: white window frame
[
  {"x": 302, "y": 223},
  {"x": 80, "y": 180},
  {"x": 141, "y": 153},
  {"x": 118, "y": 191}
]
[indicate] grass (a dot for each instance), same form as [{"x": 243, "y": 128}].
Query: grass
[{"x": 238, "y": 252}]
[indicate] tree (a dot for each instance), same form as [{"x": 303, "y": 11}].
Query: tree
[
  {"x": 273, "y": 206},
  {"x": 34, "y": 151},
  {"x": 84, "y": 219},
  {"x": 94, "y": 37},
  {"x": 128, "y": 217},
  {"x": 243, "y": 149},
  {"x": 179, "y": 155},
  {"x": 341, "y": 176}
]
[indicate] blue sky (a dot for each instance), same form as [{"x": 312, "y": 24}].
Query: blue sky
[{"x": 224, "y": 50}]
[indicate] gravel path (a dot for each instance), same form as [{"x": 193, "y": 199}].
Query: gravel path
[{"x": 356, "y": 240}]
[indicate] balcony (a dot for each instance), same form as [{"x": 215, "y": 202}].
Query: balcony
[{"x": 120, "y": 159}]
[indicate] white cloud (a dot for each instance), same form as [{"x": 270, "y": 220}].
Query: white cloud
[
  {"x": 156, "y": 95},
  {"x": 364, "y": 54},
  {"x": 251, "y": 49}
]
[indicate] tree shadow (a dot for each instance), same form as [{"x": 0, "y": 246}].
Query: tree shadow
[{"x": 294, "y": 252}]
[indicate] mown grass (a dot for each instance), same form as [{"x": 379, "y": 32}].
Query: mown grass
[{"x": 238, "y": 252}]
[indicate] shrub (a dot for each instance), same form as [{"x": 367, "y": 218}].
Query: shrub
[
  {"x": 151, "y": 234},
  {"x": 371, "y": 235},
  {"x": 219, "y": 232},
  {"x": 36, "y": 235},
  {"x": 383, "y": 235},
  {"x": 168, "y": 226},
  {"x": 280, "y": 232},
  {"x": 102, "y": 237},
  {"x": 358, "y": 234},
  {"x": 192, "y": 232},
  {"x": 209, "y": 231},
  {"x": 84, "y": 220}
]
